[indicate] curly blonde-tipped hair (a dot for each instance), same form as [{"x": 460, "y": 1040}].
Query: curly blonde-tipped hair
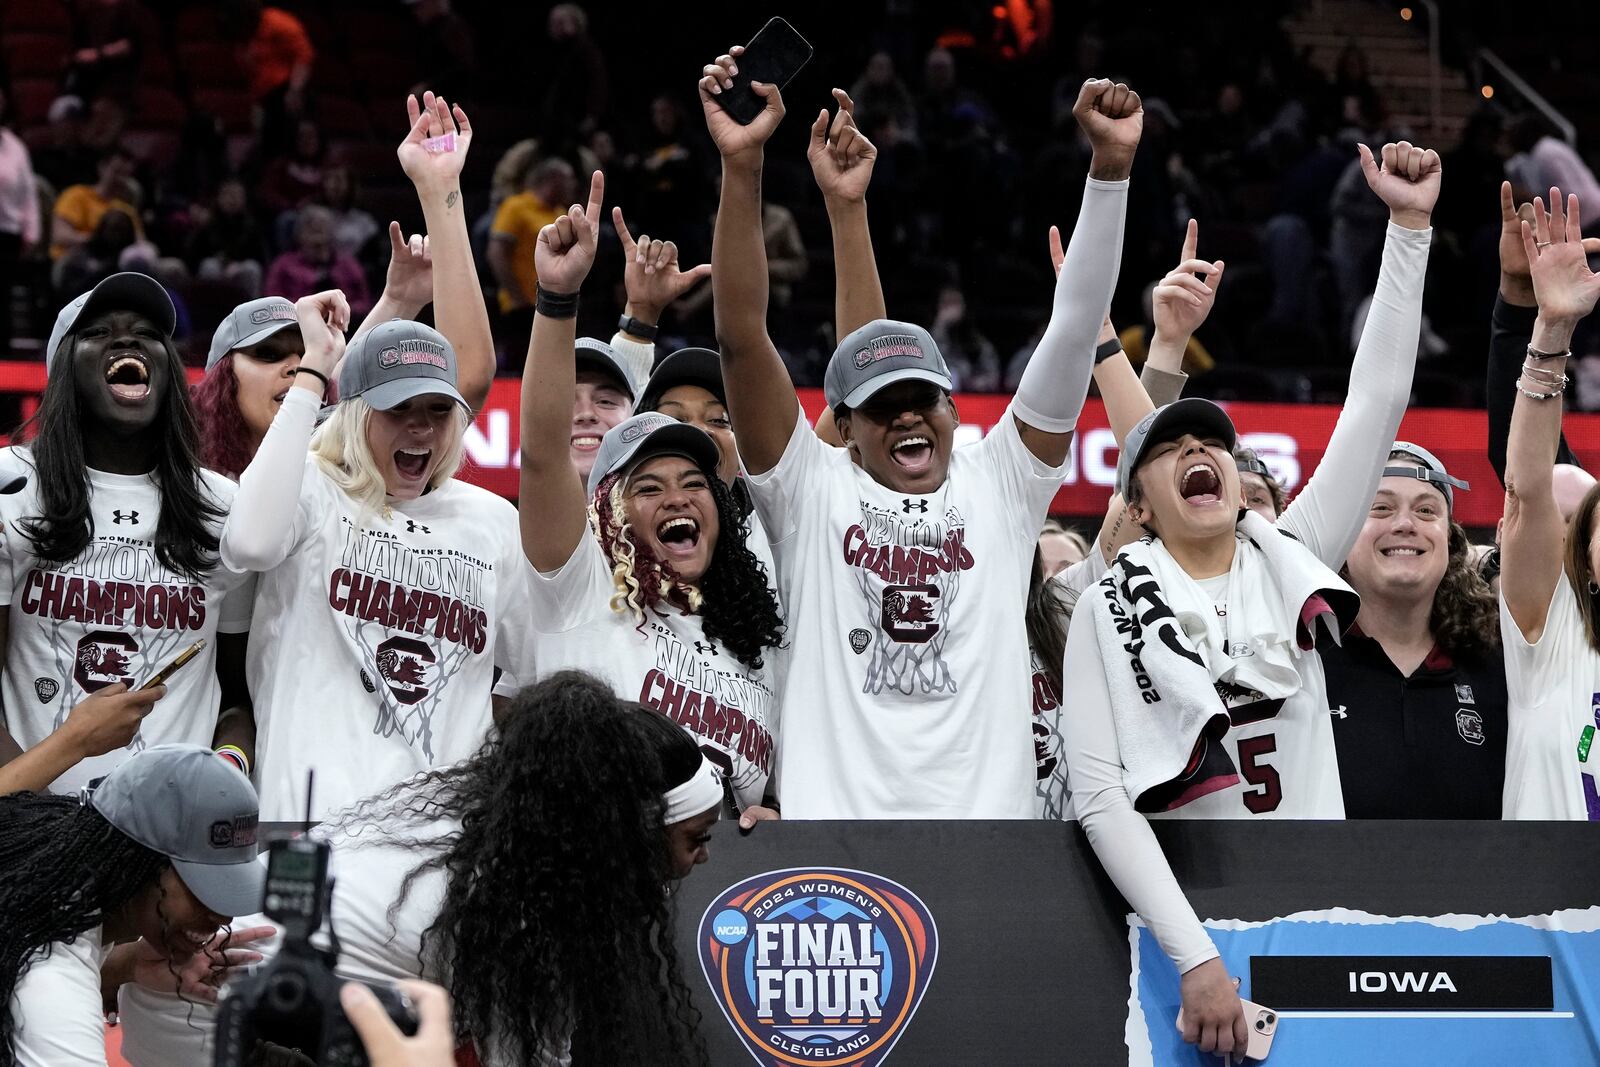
[
  {"x": 639, "y": 582},
  {"x": 341, "y": 450}
]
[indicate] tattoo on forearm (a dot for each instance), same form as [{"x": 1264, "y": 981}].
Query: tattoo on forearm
[{"x": 450, "y": 201}]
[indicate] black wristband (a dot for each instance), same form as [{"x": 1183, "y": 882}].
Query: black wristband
[
  {"x": 318, "y": 375},
  {"x": 1106, "y": 350},
  {"x": 630, "y": 325},
  {"x": 556, "y": 305}
]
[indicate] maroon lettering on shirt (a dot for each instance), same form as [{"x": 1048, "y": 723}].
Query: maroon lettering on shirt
[{"x": 51, "y": 595}]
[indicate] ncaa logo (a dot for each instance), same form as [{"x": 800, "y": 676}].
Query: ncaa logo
[{"x": 818, "y": 965}]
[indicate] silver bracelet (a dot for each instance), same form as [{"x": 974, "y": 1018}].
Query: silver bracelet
[{"x": 1537, "y": 396}]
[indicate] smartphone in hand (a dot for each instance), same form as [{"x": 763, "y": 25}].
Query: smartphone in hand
[{"x": 775, "y": 56}]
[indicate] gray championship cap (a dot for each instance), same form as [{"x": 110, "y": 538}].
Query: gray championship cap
[
  {"x": 128, "y": 291},
  {"x": 1432, "y": 471},
  {"x": 686, "y": 366},
  {"x": 1189, "y": 415},
  {"x": 650, "y": 433},
  {"x": 397, "y": 361},
  {"x": 249, "y": 324},
  {"x": 197, "y": 810},
  {"x": 591, "y": 353},
  {"x": 879, "y": 354}
]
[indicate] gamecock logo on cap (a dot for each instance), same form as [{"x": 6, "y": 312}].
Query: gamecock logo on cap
[{"x": 818, "y": 965}]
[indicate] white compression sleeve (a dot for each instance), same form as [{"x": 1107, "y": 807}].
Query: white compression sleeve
[
  {"x": 1122, "y": 839},
  {"x": 260, "y": 528},
  {"x": 1056, "y": 380},
  {"x": 1328, "y": 513}
]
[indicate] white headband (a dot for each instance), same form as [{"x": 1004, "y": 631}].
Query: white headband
[{"x": 701, "y": 792}]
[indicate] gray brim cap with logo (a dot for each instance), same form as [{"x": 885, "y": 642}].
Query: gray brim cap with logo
[
  {"x": 649, "y": 434},
  {"x": 876, "y": 356},
  {"x": 1189, "y": 415},
  {"x": 249, "y": 324},
  {"x": 1432, "y": 471},
  {"x": 199, "y": 811},
  {"x": 399, "y": 361},
  {"x": 127, "y": 291},
  {"x": 591, "y": 353}
]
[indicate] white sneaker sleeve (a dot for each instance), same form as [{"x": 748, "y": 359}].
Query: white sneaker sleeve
[
  {"x": 1328, "y": 513},
  {"x": 1121, "y": 837},
  {"x": 1056, "y": 380}
]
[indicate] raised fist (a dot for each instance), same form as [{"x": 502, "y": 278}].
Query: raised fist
[
  {"x": 1112, "y": 118},
  {"x": 1407, "y": 180}
]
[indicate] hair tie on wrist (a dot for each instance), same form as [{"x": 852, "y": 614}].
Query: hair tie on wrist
[
  {"x": 1106, "y": 350},
  {"x": 234, "y": 755},
  {"x": 556, "y": 305},
  {"x": 318, "y": 375}
]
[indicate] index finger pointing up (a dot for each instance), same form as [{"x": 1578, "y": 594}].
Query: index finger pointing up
[
  {"x": 597, "y": 189},
  {"x": 622, "y": 232}
]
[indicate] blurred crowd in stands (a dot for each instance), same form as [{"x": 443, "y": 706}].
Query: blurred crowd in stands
[{"x": 234, "y": 149}]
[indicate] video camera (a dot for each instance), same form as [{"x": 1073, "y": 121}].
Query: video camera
[{"x": 287, "y": 1010}]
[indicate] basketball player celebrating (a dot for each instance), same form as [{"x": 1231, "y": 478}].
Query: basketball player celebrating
[
  {"x": 649, "y": 582},
  {"x": 904, "y": 565},
  {"x": 1196, "y": 693},
  {"x": 393, "y": 589},
  {"x": 111, "y": 553}
]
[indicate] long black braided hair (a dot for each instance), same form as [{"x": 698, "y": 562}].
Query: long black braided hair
[
  {"x": 63, "y": 868},
  {"x": 556, "y": 920}
]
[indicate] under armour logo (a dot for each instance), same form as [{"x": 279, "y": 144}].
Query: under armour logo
[
  {"x": 907, "y": 504},
  {"x": 1340, "y": 711},
  {"x": 703, "y": 649},
  {"x": 119, "y": 518},
  {"x": 412, "y": 527}
]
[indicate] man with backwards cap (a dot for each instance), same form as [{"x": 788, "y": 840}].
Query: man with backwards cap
[
  {"x": 111, "y": 549},
  {"x": 902, "y": 572},
  {"x": 1417, "y": 689}
]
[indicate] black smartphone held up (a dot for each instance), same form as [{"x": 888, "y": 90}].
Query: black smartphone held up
[{"x": 775, "y": 55}]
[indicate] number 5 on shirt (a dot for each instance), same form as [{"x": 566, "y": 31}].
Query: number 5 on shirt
[{"x": 1265, "y": 775}]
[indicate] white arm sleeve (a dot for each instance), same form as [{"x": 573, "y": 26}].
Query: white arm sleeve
[
  {"x": 1056, "y": 380},
  {"x": 640, "y": 356},
  {"x": 262, "y": 527},
  {"x": 1122, "y": 838},
  {"x": 1327, "y": 514}
]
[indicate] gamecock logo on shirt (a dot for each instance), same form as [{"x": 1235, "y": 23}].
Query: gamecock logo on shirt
[
  {"x": 818, "y": 965},
  {"x": 103, "y": 659},
  {"x": 403, "y": 664},
  {"x": 908, "y": 612}
]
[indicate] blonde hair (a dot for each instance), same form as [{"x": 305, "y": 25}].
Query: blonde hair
[{"x": 340, "y": 448}]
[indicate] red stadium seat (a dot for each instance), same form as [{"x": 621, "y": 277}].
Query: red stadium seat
[
  {"x": 32, "y": 97},
  {"x": 39, "y": 16},
  {"x": 211, "y": 65},
  {"x": 232, "y": 106},
  {"x": 158, "y": 109},
  {"x": 341, "y": 117},
  {"x": 36, "y": 55}
]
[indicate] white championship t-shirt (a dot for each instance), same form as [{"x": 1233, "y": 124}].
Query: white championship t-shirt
[
  {"x": 1553, "y": 715},
  {"x": 375, "y": 641},
  {"x": 900, "y": 701},
  {"x": 666, "y": 662},
  {"x": 116, "y": 613},
  {"x": 57, "y": 1009}
]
